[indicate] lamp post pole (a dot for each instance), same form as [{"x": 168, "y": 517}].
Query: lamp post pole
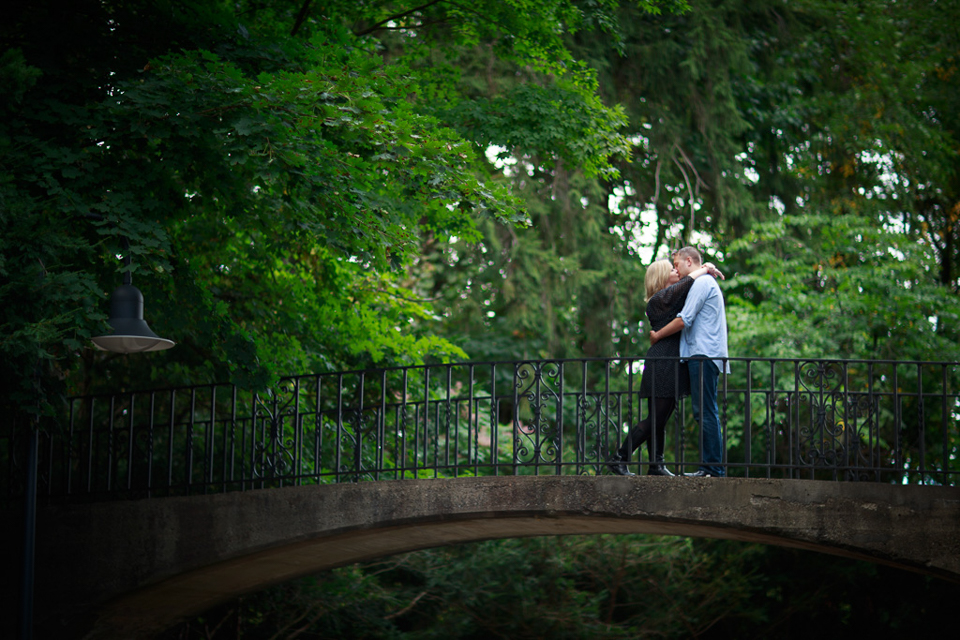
[{"x": 29, "y": 538}]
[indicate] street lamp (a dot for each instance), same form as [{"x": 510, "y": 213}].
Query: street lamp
[{"x": 130, "y": 331}]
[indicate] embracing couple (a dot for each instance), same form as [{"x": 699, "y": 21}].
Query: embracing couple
[{"x": 689, "y": 349}]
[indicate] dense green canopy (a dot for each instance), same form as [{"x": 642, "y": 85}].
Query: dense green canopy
[
  {"x": 300, "y": 185},
  {"x": 316, "y": 186},
  {"x": 273, "y": 170},
  {"x": 810, "y": 148}
]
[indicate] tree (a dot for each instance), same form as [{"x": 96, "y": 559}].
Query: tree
[
  {"x": 809, "y": 147},
  {"x": 780, "y": 138},
  {"x": 270, "y": 186},
  {"x": 591, "y": 587},
  {"x": 840, "y": 267}
]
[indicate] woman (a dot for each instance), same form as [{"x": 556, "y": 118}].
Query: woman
[{"x": 664, "y": 380}]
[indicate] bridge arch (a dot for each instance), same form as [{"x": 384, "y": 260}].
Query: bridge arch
[{"x": 141, "y": 566}]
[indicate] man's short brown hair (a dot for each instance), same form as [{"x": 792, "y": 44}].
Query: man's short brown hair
[{"x": 688, "y": 252}]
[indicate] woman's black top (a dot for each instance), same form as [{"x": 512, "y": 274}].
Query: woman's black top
[{"x": 664, "y": 375}]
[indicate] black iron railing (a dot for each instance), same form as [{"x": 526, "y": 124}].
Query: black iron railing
[{"x": 894, "y": 422}]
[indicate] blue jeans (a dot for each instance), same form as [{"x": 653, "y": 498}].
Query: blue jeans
[{"x": 704, "y": 395}]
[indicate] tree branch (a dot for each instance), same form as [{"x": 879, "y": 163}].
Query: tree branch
[
  {"x": 211, "y": 634},
  {"x": 301, "y": 17},
  {"x": 686, "y": 160},
  {"x": 397, "y": 614},
  {"x": 310, "y": 609},
  {"x": 394, "y": 17},
  {"x": 689, "y": 191},
  {"x": 690, "y": 188},
  {"x": 656, "y": 181},
  {"x": 422, "y": 24}
]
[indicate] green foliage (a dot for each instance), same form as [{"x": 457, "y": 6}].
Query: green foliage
[
  {"x": 556, "y": 120},
  {"x": 838, "y": 287},
  {"x": 388, "y": 182},
  {"x": 271, "y": 188},
  {"x": 591, "y": 587},
  {"x": 547, "y": 291}
]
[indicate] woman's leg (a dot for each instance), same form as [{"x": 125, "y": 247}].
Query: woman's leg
[
  {"x": 662, "y": 409},
  {"x": 637, "y": 436}
]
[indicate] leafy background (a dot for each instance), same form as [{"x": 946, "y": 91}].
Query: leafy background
[{"x": 319, "y": 186}]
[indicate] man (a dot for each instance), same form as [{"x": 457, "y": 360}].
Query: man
[{"x": 703, "y": 343}]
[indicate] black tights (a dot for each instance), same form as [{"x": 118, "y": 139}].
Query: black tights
[{"x": 641, "y": 433}]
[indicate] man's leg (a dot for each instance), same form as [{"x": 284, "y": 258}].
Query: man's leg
[{"x": 704, "y": 376}]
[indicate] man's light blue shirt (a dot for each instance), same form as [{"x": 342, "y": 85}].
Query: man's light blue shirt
[{"x": 705, "y": 323}]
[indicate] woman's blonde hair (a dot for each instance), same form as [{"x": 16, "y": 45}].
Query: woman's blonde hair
[{"x": 658, "y": 274}]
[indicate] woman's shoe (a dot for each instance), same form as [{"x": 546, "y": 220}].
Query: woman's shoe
[
  {"x": 618, "y": 465},
  {"x": 659, "y": 469}
]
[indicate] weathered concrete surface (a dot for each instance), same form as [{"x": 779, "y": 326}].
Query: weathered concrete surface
[{"x": 131, "y": 569}]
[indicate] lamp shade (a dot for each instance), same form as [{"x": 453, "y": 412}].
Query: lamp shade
[{"x": 130, "y": 332}]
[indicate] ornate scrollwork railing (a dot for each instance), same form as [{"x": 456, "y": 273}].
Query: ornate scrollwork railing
[{"x": 894, "y": 422}]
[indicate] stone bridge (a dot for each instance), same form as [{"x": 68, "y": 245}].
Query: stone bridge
[
  {"x": 129, "y": 569},
  {"x": 160, "y": 504}
]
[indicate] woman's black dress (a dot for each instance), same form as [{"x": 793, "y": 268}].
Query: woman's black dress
[{"x": 663, "y": 375}]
